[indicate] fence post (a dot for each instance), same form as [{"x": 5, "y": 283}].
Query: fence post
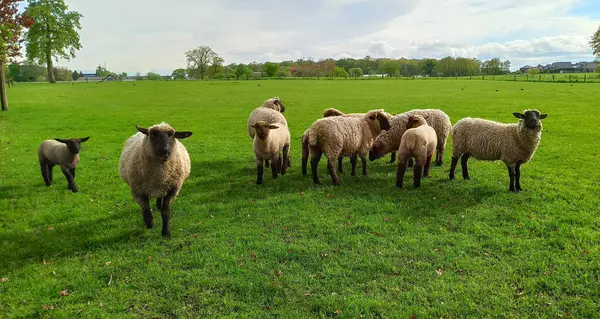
[
  {"x": 540, "y": 78},
  {"x": 553, "y": 77},
  {"x": 584, "y": 78},
  {"x": 527, "y": 78},
  {"x": 569, "y": 78},
  {"x": 515, "y": 77}
]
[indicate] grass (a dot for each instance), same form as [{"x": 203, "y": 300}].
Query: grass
[{"x": 288, "y": 248}]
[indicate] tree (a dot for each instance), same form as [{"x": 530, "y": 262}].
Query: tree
[
  {"x": 75, "y": 75},
  {"x": 595, "y": 43},
  {"x": 217, "y": 65},
  {"x": 271, "y": 69},
  {"x": 533, "y": 71},
  {"x": 55, "y": 35},
  {"x": 598, "y": 68},
  {"x": 198, "y": 61},
  {"x": 356, "y": 72},
  {"x": 123, "y": 75},
  {"x": 339, "y": 72},
  {"x": 153, "y": 76},
  {"x": 428, "y": 66},
  {"x": 178, "y": 74},
  {"x": 61, "y": 73},
  {"x": 389, "y": 67},
  {"x": 242, "y": 70},
  {"x": 101, "y": 71},
  {"x": 11, "y": 26}
]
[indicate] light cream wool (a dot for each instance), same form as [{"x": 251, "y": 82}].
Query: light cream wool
[
  {"x": 335, "y": 112},
  {"x": 270, "y": 112},
  {"x": 57, "y": 153},
  {"x": 147, "y": 175},
  {"x": 418, "y": 142},
  {"x": 271, "y": 142},
  {"x": 344, "y": 136},
  {"x": 389, "y": 141}
]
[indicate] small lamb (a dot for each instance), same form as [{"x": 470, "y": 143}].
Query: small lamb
[
  {"x": 344, "y": 136},
  {"x": 419, "y": 141},
  {"x": 270, "y": 112},
  {"x": 155, "y": 164},
  {"x": 64, "y": 153},
  {"x": 271, "y": 142},
  {"x": 514, "y": 144}
]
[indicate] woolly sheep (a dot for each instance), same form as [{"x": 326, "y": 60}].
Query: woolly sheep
[
  {"x": 419, "y": 141},
  {"x": 514, "y": 144},
  {"x": 270, "y": 112},
  {"x": 155, "y": 164},
  {"x": 389, "y": 141},
  {"x": 271, "y": 142},
  {"x": 339, "y": 135},
  {"x": 62, "y": 152}
]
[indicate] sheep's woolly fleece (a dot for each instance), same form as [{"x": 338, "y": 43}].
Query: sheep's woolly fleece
[
  {"x": 275, "y": 141},
  {"x": 146, "y": 175},
  {"x": 57, "y": 153},
  {"x": 268, "y": 112}
]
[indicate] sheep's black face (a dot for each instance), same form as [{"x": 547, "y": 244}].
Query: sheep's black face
[
  {"x": 74, "y": 144},
  {"x": 531, "y": 118},
  {"x": 384, "y": 122},
  {"x": 281, "y": 106},
  {"x": 162, "y": 143},
  {"x": 375, "y": 152}
]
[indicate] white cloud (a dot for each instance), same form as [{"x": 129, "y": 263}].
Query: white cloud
[{"x": 138, "y": 35}]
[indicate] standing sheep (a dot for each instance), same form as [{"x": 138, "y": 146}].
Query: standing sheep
[
  {"x": 390, "y": 141},
  {"x": 64, "y": 153},
  {"x": 272, "y": 141},
  {"x": 338, "y": 135},
  {"x": 419, "y": 141},
  {"x": 514, "y": 144},
  {"x": 155, "y": 164},
  {"x": 270, "y": 112}
]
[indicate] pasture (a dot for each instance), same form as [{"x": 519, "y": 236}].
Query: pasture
[{"x": 288, "y": 248}]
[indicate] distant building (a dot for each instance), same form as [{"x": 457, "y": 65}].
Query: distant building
[
  {"x": 526, "y": 68},
  {"x": 562, "y": 67}
]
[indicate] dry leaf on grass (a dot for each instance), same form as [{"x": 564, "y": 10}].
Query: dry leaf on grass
[
  {"x": 4, "y": 279},
  {"x": 64, "y": 292},
  {"x": 439, "y": 271}
]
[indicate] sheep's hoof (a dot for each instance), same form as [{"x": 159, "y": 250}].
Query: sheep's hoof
[
  {"x": 258, "y": 182},
  {"x": 416, "y": 185},
  {"x": 149, "y": 224},
  {"x": 451, "y": 176},
  {"x": 399, "y": 185},
  {"x": 73, "y": 189},
  {"x": 166, "y": 234},
  {"x": 48, "y": 184},
  {"x": 438, "y": 163}
]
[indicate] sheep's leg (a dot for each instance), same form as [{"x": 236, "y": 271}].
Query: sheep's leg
[
  {"x": 45, "y": 175},
  {"x": 511, "y": 175},
  {"x": 401, "y": 170},
  {"x": 69, "y": 177},
  {"x": 73, "y": 172},
  {"x": 286, "y": 159},
  {"x": 144, "y": 202},
  {"x": 275, "y": 164},
  {"x": 267, "y": 163},
  {"x": 50, "y": 171},
  {"x": 427, "y": 165},
  {"x": 417, "y": 173},
  {"x": 410, "y": 162},
  {"x": 439, "y": 154},
  {"x": 314, "y": 164},
  {"x": 331, "y": 166},
  {"x": 393, "y": 158},
  {"x": 453, "y": 166},
  {"x": 305, "y": 153},
  {"x": 465, "y": 166},
  {"x": 165, "y": 212},
  {"x": 363, "y": 159},
  {"x": 259, "y": 170},
  {"x": 340, "y": 166},
  {"x": 353, "y": 161},
  {"x": 518, "y": 177},
  {"x": 159, "y": 201}
]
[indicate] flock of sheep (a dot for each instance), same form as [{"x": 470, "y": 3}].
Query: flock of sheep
[{"x": 155, "y": 164}]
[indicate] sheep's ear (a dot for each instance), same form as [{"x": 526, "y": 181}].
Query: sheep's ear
[
  {"x": 84, "y": 139},
  {"x": 182, "y": 135},
  {"x": 142, "y": 130},
  {"x": 543, "y": 116},
  {"x": 61, "y": 140},
  {"x": 519, "y": 115},
  {"x": 273, "y": 127}
]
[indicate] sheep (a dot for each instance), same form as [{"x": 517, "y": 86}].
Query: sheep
[
  {"x": 339, "y": 135},
  {"x": 270, "y": 112},
  {"x": 389, "y": 141},
  {"x": 514, "y": 144},
  {"x": 62, "y": 152},
  {"x": 155, "y": 164},
  {"x": 419, "y": 141},
  {"x": 272, "y": 141}
]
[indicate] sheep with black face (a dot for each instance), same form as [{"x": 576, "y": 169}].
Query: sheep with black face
[
  {"x": 155, "y": 164},
  {"x": 514, "y": 144},
  {"x": 62, "y": 152}
]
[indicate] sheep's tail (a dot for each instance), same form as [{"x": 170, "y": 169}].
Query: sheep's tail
[
  {"x": 313, "y": 138},
  {"x": 305, "y": 147}
]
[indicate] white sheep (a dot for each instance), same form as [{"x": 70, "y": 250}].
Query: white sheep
[
  {"x": 271, "y": 142},
  {"x": 62, "y": 152},
  {"x": 344, "y": 136},
  {"x": 270, "y": 112},
  {"x": 155, "y": 164},
  {"x": 389, "y": 141},
  {"x": 514, "y": 144},
  {"x": 419, "y": 141}
]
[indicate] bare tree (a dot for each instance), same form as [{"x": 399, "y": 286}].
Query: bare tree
[{"x": 199, "y": 60}]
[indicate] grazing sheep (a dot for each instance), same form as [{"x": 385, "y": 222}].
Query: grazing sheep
[
  {"x": 155, "y": 164},
  {"x": 419, "y": 141},
  {"x": 270, "y": 112},
  {"x": 271, "y": 142},
  {"x": 514, "y": 144},
  {"x": 389, "y": 141},
  {"x": 340, "y": 135},
  {"x": 64, "y": 153}
]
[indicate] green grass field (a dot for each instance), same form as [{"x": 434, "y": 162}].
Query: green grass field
[{"x": 288, "y": 248}]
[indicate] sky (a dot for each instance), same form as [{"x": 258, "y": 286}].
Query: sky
[{"x": 150, "y": 36}]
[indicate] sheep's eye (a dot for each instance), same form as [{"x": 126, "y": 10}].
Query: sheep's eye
[
  {"x": 154, "y": 133},
  {"x": 170, "y": 134},
  {"x": 372, "y": 117}
]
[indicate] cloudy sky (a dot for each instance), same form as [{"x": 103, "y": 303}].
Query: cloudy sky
[{"x": 149, "y": 35}]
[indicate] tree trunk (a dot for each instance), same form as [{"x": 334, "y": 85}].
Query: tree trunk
[
  {"x": 49, "y": 66},
  {"x": 3, "y": 97}
]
